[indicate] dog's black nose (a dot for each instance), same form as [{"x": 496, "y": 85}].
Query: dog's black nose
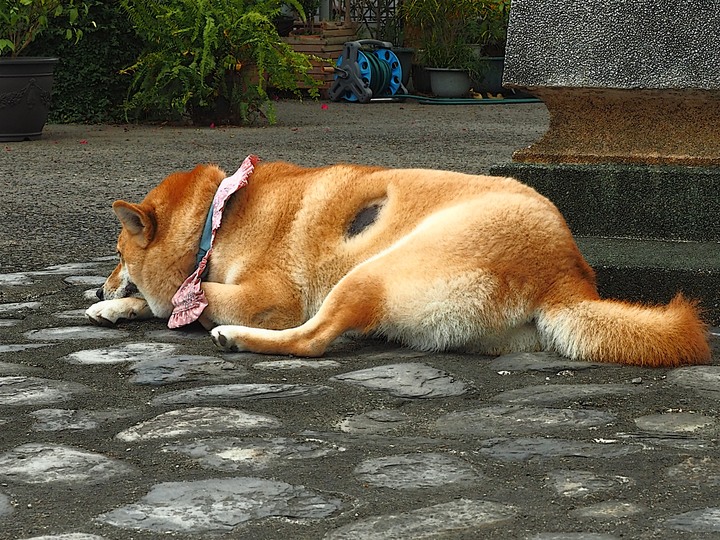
[{"x": 99, "y": 293}]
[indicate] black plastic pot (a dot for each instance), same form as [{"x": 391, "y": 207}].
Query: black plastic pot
[{"x": 25, "y": 86}]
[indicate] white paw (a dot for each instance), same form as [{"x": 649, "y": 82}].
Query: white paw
[
  {"x": 106, "y": 313},
  {"x": 229, "y": 338}
]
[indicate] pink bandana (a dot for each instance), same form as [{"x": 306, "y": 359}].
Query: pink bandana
[{"x": 189, "y": 300}]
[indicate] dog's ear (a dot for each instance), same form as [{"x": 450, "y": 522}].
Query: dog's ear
[{"x": 136, "y": 220}]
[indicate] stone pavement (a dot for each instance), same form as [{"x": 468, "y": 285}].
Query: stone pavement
[{"x": 142, "y": 432}]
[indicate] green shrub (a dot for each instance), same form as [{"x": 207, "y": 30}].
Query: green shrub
[
  {"x": 89, "y": 87},
  {"x": 210, "y": 60}
]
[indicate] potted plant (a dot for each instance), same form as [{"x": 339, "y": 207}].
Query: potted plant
[
  {"x": 438, "y": 29},
  {"x": 488, "y": 33},
  {"x": 210, "y": 61},
  {"x": 26, "y": 82}
]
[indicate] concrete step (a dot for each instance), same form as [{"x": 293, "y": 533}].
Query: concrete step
[{"x": 654, "y": 270}]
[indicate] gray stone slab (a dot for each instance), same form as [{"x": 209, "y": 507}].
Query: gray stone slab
[
  {"x": 600, "y": 44},
  {"x": 573, "y": 536},
  {"x": 375, "y": 421},
  {"x": 696, "y": 470},
  {"x": 75, "y": 420},
  {"x": 519, "y": 420},
  {"x": 13, "y": 308},
  {"x": 64, "y": 333},
  {"x": 19, "y": 347},
  {"x": 222, "y": 393},
  {"x": 196, "y": 422},
  {"x": 177, "y": 334},
  {"x": 67, "y": 536},
  {"x": 184, "y": 368},
  {"x": 407, "y": 380},
  {"x": 69, "y": 268},
  {"x": 218, "y": 505},
  {"x": 233, "y": 454},
  {"x": 36, "y": 463},
  {"x": 19, "y": 390},
  {"x": 87, "y": 281},
  {"x": 416, "y": 471},
  {"x": 551, "y": 393},
  {"x": 453, "y": 518},
  {"x": 706, "y": 520},
  {"x": 611, "y": 510},
  {"x": 16, "y": 279},
  {"x": 674, "y": 422},
  {"x": 295, "y": 364},
  {"x": 523, "y": 449},
  {"x": 704, "y": 380},
  {"x": 6, "y": 508},
  {"x": 69, "y": 314},
  {"x": 539, "y": 361},
  {"x": 580, "y": 484},
  {"x": 126, "y": 352},
  {"x": 7, "y": 323}
]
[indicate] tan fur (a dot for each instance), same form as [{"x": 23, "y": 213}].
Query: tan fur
[{"x": 452, "y": 262}]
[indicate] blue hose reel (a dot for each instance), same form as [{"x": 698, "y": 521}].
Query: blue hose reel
[{"x": 367, "y": 69}]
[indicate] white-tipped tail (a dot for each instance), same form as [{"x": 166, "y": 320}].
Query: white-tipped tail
[{"x": 634, "y": 334}]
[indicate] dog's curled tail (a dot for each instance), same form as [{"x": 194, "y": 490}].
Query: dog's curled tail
[{"x": 614, "y": 331}]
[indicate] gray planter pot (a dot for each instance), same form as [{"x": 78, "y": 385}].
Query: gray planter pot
[
  {"x": 449, "y": 83},
  {"x": 25, "y": 86}
]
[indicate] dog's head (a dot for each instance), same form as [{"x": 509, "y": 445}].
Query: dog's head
[{"x": 159, "y": 239}]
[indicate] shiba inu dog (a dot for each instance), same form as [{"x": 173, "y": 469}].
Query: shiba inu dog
[{"x": 436, "y": 260}]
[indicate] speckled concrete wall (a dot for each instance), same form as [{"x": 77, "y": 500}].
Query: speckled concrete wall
[{"x": 624, "y": 81}]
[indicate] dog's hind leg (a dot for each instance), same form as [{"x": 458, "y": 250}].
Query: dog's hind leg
[{"x": 355, "y": 303}]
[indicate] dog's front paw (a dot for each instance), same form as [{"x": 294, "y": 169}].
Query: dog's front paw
[
  {"x": 105, "y": 313},
  {"x": 228, "y": 338},
  {"x": 109, "y": 312}
]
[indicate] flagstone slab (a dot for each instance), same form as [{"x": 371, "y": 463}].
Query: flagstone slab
[
  {"x": 16, "y": 279},
  {"x": 416, "y": 471},
  {"x": 36, "y": 463},
  {"x": 69, "y": 314},
  {"x": 706, "y": 520},
  {"x": 67, "y": 536},
  {"x": 578, "y": 484},
  {"x": 20, "y": 347},
  {"x": 75, "y": 420},
  {"x": 515, "y": 419},
  {"x": 217, "y": 505},
  {"x": 407, "y": 380},
  {"x": 230, "y": 392},
  {"x": 237, "y": 453},
  {"x": 197, "y": 422},
  {"x": 375, "y": 421},
  {"x": 295, "y": 364},
  {"x": 696, "y": 470},
  {"x": 608, "y": 510},
  {"x": 12, "y": 308},
  {"x": 126, "y": 352},
  {"x": 69, "y": 268},
  {"x": 87, "y": 280},
  {"x": 704, "y": 380},
  {"x": 184, "y": 368},
  {"x": 546, "y": 362},
  {"x": 677, "y": 423},
  {"x": 573, "y": 536},
  {"x": 63, "y": 333},
  {"x": 523, "y": 449},
  {"x": 452, "y": 519},
  {"x": 551, "y": 393},
  {"x": 19, "y": 390},
  {"x": 6, "y": 507}
]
